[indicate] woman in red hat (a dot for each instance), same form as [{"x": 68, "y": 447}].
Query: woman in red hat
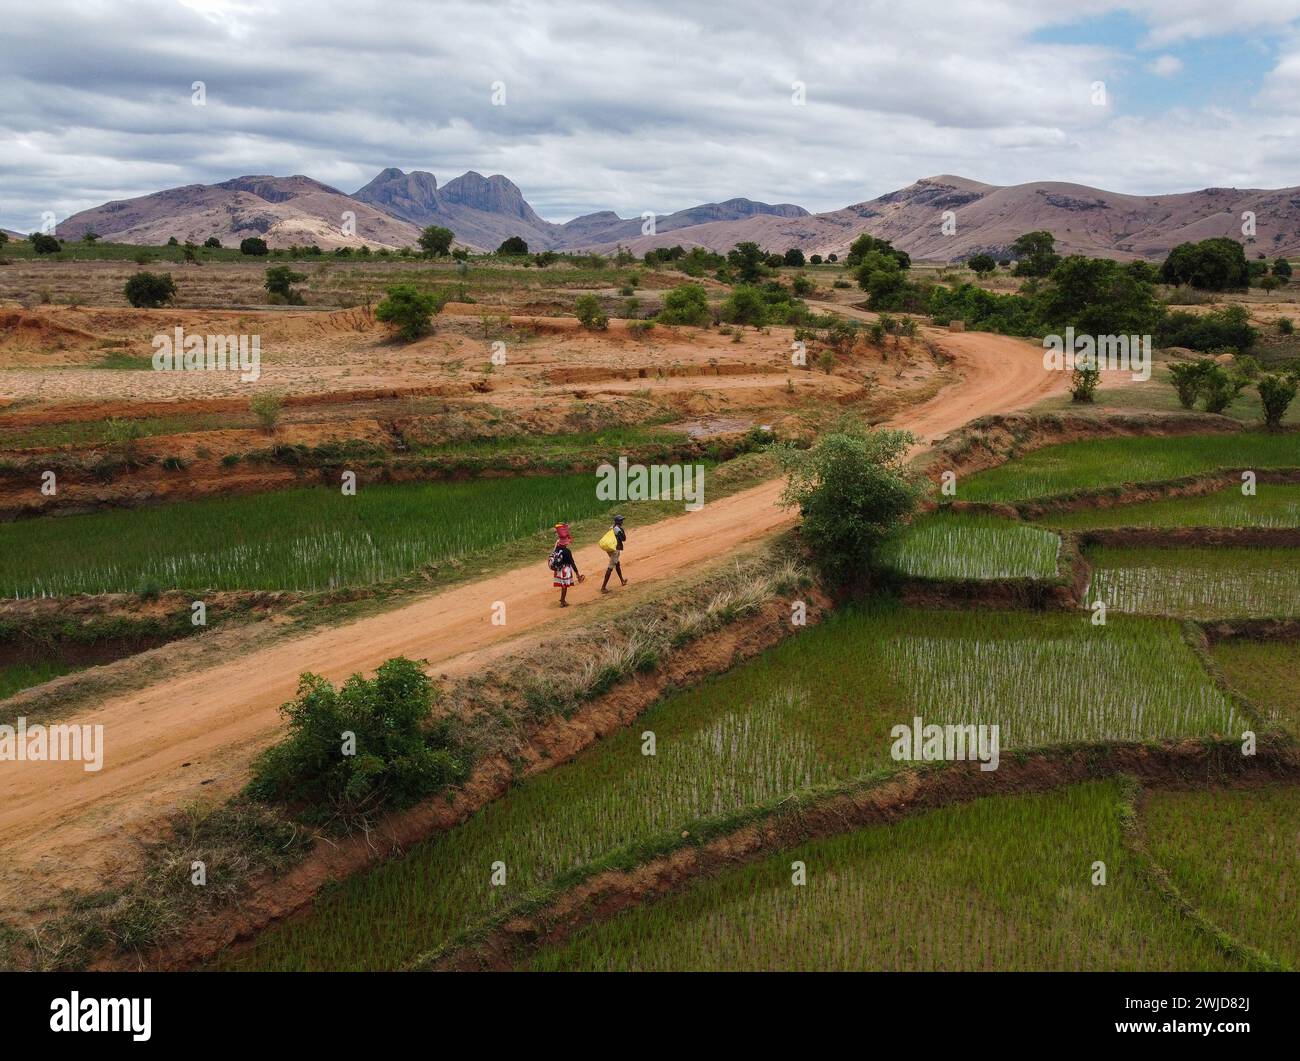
[{"x": 563, "y": 567}]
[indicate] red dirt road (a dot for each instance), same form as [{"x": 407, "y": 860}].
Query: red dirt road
[{"x": 163, "y": 742}]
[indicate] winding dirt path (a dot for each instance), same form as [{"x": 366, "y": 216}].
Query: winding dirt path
[{"x": 193, "y": 736}]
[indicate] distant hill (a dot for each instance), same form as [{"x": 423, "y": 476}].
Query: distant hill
[{"x": 391, "y": 209}]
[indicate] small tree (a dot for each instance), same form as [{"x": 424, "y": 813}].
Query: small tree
[
  {"x": 981, "y": 264},
  {"x": 745, "y": 305},
  {"x": 853, "y": 492},
  {"x": 90, "y": 237},
  {"x": 686, "y": 304},
  {"x": 435, "y": 241},
  {"x": 150, "y": 290},
  {"x": 1187, "y": 377},
  {"x": 408, "y": 311},
  {"x": 587, "y": 309},
  {"x": 253, "y": 245},
  {"x": 1219, "y": 388},
  {"x": 212, "y": 243},
  {"x": 1282, "y": 269},
  {"x": 43, "y": 244},
  {"x": 514, "y": 246},
  {"x": 794, "y": 258},
  {"x": 1083, "y": 383},
  {"x": 1276, "y": 393},
  {"x": 267, "y": 407},
  {"x": 816, "y": 259},
  {"x": 279, "y": 279}
]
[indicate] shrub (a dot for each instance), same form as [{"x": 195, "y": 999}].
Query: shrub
[
  {"x": 43, "y": 244},
  {"x": 1227, "y": 327},
  {"x": 392, "y": 758},
  {"x": 408, "y": 311},
  {"x": 853, "y": 492},
  {"x": 793, "y": 258},
  {"x": 1282, "y": 269},
  {"x": 1276, "y": 393},
  {"x": 267, "y": 407},
  {"x": 278, "y": 281},
  {"x": 212, "y": 243},
  {"x": 686, "y": 304},
  {"x": 1035, "y": 253},
  {"x": 587, "y": 309},
  {"x": 1285, "y": 326},
  {"x": 981, "y": 264},
  {"x": 1219, "y": 388},
  {"x": 1217, "y": 264},
  {"x": 253, "y": 245},
  {"x": 1187, "y": 376},
  {"x": 745, "y": 305},
  {"x": 150, "y": 290},
  {"x": 513, "y": 246},
  {"x": 1083, "y": 383}
]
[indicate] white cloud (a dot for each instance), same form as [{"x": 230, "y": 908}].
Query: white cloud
[{"x": 1166, "y": 65}]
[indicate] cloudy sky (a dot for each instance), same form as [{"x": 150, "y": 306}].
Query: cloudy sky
[{"x": 636, "y": 106}]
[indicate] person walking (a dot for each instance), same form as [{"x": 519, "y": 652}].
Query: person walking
[
  {"x": 612, "y": 543},
  {"x": 564, "y": 569}
]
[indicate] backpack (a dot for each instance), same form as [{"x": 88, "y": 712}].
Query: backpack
[
  {"x": 556, "y": 560},
  {"x": 610, "y": 541}
]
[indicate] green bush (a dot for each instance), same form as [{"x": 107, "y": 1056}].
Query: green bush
[
  {"x": 254, "y": 245},
  {"x": 1219, "y": 388},
  {"x": 1217, "y": 264},
  {"x": 354, "y": 751},
  {"x": 686, "y": 304},
  {"x": 1187, "y": 377},
  {"x": 435, "y": 240},
  {"x": 1227, "y": 327},
  {"x": 588, "y": 311},
  {"x": 853, "y": 493},
  {"x": 1276, "y": 393},
  {"x": 408, "y": 311},
  {"x": 745, "y": 305},
  {"x": 279, "y": 279},
  {"x": 150, "y": 290},
  {"x": 513, "y": 247}
]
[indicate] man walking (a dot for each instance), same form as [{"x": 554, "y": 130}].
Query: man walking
[{"x": 618, "y": 536}]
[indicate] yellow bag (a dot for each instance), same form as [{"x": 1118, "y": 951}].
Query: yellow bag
[{"x": 610, "y": 542}]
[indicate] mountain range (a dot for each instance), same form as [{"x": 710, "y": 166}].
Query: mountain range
[{"x": 943, "y": 218}]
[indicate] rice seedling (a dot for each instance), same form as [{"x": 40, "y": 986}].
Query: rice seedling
[
  {"x": 1197, "y": 583},
  {"x": 1233, "y": 855},
  {"x": 1265, "y": 673},
  {"x": 17, "y": 676},
  {"x": 815, "y": 709},
  {"x": 1001, "y": 883},
  {"x": 947, "y": 546},
  {"x": 310, "y": 538},
  {"x": 1111, "y": 462},
  {"x": 1274, "y": 505}
]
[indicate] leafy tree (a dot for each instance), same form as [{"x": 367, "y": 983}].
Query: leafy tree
[
  {"x": 981, "y": 264},
  {"x": 172, "y": 241},
  {"x": 1144, "y": 271},
  {"x": 1219, "y": 388},
  {"x": 150, "y": 290},
  {"x": 588, "y": 310},
  {"x": 1269, "y": 283},
  {"x": 279, "y": 279},
  {"x": 832, "y": 257},
  {"x": 865, "y": 244},
  {"x": 686, "y": 304},
  {"x": 853, "y": 491},
  {"x": 1035, "y": 253},
  {"x": 43, "y": 244},
  {"x": 1187, "y": 377},
  {"x": 435, "y": 241},
  {"x": 745, "y": 305},
  {"x": 748, "y": 261},
  {"x": 89, "y": 237},
  {"x": 212, "y": 243},
  {"x": 1282, "y": 269},
  {"x": 254, "y": 245},
  {"x": 816, "y": 259},
  {"x": 1276, "y": 393},
  {"x": 408, "y": 311},
  {"x": 1097, "y": 296},
  {"x": 1227, "y": 327},
  {"x": 513, "y": 247},
  {"x": 794, "y": 258},
  {"x": 1217, "y": 264},
  {"x": 398, "y": 758}
]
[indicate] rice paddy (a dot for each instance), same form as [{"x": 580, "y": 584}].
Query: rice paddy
[
  {"x": 15, "y": 677},
  {"x": 1273, "y": 505},
  {"x": 1002, "y": 883},
  {"x": 1235, "y": 856},
  {"x": 816, "y": 709},
  {"x": 1111, "y": 462},
  {"x": 947, "y": 546},
  {"x": 1265, "y": 673},
  {"x": 1197, "y": 583},
  {"x": 310, "y": 538}
]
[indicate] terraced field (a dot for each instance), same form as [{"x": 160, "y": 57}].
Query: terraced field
[
  {"x": 1265, "y": 672},
  {"x": 1003, "y": 883},
  {"x": 1197, "y": 583},
  {"x": 947, "y": 546},
  {"x": 1273, "y": 505},
  {"x": 816, "y": 709}
]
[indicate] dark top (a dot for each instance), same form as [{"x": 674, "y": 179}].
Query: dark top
[
  {"x": 621, "y": 535},
  {"x": 566, "y": 557}
]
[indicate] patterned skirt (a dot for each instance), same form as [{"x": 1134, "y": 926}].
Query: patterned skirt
[{"x": 564, "y": 576}]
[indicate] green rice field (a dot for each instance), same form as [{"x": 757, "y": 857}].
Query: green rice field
[
  {"x": 816, "y": 709},
  {"x": 1235, "y": 856},
  {"x": 1265, "y": 673},
  {"x": 1003, "y": 883},
  {"x": 1273, "y": 505},
  {"x": 949, "y": 546},
  {"x": 1109, "y": 462},
  {"x": 1197, "y": 583},
  {"x": 309, "y": 538},
  {"x": 15, "y": 677}
]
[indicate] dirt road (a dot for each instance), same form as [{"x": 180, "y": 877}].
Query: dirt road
[{"x": 193, "y": 736}]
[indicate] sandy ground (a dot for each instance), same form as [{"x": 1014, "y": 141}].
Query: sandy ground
[{"x": 192, "y": 737}]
